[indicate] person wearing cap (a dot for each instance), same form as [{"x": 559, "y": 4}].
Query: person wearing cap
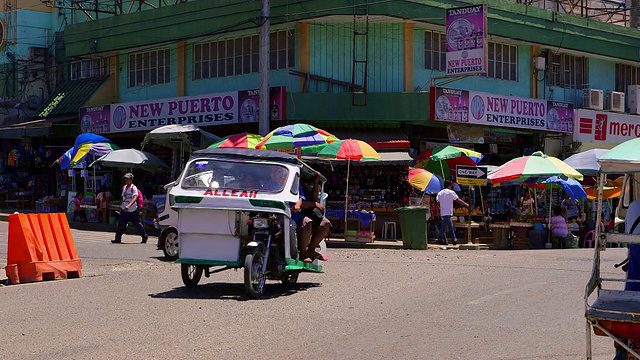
[{"x": 130, "y": 211}]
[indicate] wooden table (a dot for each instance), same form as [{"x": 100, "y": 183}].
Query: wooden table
[{"x": 465, "y": 230}]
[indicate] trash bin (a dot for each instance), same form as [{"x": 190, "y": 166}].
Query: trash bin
[{"x": 413, "y": 225}]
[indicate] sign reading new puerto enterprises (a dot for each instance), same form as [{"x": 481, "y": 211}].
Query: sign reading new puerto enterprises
[
  {"x": 466, "y": 36},
  {"x": 200, "y": 110},
  {"x": 485, "y": 109},
  {"x": 605, "y": 127}
]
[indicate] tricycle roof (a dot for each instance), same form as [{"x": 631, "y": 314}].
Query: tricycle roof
[{"x": 248, "y": 154}]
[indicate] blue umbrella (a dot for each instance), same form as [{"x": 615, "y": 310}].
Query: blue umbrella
[{"x": 570, "y": 186}]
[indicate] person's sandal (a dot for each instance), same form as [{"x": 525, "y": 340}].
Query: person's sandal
[{"x": 318, "y": 256}]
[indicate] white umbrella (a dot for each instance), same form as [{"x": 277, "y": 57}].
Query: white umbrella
[{"x": 131, "y": 159}]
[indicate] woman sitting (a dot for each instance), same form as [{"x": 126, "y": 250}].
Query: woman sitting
[
  {"x": 558, "y": 224},
  {"x": 78, "y": 211}
]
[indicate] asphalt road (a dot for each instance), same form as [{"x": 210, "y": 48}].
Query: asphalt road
[{"x": 370, "y": 304}]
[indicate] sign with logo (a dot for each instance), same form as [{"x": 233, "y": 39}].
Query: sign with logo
[
  {"x": 485, "y": 109},
  {"x": 605, "y": 127},
  {"x": 201, "y": 110},
  {"x": 471, "y": 175},
  {"x": 466, "y": 35},
  {"x": 95, "y": 119}
]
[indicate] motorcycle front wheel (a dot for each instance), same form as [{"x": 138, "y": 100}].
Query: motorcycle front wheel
[{"x": 254, "y": 278}]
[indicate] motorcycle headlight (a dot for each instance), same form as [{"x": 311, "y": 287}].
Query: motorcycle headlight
[{"x": 260, "y": 223}]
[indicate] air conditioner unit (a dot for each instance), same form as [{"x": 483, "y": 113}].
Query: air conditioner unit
[
  {"x": 634, "y": 99},
  {"x": 592, "y": 99},
  {"x": 615, "y": 101}
]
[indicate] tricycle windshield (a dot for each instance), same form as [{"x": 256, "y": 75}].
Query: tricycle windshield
[{"x": 217, "y": 173}]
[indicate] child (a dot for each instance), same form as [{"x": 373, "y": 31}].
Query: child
[
  {"x": 103, "y": 200},
  {"x": 78, "y": 211}
]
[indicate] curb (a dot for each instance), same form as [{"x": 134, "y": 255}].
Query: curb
[{"x": 341, "y": 244}]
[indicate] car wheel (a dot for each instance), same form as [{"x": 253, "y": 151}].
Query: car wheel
[{"x": 170, "y": 245}]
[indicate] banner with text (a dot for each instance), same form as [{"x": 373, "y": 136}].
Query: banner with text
[
  {"x": 200, "y": 110},
  {"x": 478, "y": 108},
  {"x": 466, "y": 36},
  {"x": 605, "y": 127}
]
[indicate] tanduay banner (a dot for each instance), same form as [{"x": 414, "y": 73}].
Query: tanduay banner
[
  {"x": 485, "y": 109},
  {"x": 199, "y": 110},
  {"x": 466, "y": 37}
]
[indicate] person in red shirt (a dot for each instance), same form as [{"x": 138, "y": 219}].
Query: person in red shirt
[{"x": 78, "y": 211}]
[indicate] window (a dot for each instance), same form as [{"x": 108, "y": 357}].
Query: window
[
  {"x": 626, "y": 75},
  {"x": 502, "y": 58},
  {"x": 435, "y": 51},
  {"x": 241, "y": 55},
  {"x": 502, "y": 61},
  {"x": 149, "y": 68},
  {"x": 84, "y": 69},
  {"x": 567, "y": 71}
]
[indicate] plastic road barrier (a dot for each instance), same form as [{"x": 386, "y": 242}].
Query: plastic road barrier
[
  {"x": 41, "y": 247},
  {"x": 413, "y": 225}
]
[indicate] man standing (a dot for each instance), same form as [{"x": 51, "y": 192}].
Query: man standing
[
  {"x": 571, "y": 207},
  {"x": 446, "y": 197},
  {"x": 130, "y": 211}
]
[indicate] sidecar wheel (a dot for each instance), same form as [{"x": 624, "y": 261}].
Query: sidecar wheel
[
  {"x": 253, "y": 276},
  {"x": 191, "y": 274},
  {"x": 290, "y": 278}
]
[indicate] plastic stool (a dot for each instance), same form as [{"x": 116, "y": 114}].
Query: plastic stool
[{"x": 389, "y": 227}]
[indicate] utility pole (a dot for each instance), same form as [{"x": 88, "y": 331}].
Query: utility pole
[
  {"x": 635, "y": 14},
  {"x": 265, "y": 46}
]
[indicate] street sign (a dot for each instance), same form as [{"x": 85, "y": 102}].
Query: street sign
[{"x": 471, "y": 175}]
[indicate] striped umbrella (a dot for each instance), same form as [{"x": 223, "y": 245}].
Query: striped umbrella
[
  {"x": 425, "y": 181},
  {"x": 442, "y": 160},
  {"x": 349, "y": 149},
  {"x": 294, "y": 137},
  {"x": 238, "y": 141},
  {"x": 537, "y": 164}
]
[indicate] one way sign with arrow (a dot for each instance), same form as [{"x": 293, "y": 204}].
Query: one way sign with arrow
[{"x": 471, "y": 175}]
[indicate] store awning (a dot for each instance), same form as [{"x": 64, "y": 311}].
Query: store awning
[
  {"x": 31, "y": 128},
  {"x": 69, "y": 97},
  {"x": 387, "y": 158},
  {"x": 379, "y": 139}
]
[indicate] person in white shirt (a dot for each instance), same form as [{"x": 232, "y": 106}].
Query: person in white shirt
[
  {"x": 130, "y": 211},
  {"x": 446, "y": 197}
]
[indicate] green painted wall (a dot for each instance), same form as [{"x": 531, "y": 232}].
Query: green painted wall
[
  {"x": 206, "y": 18},
  {"x": 332, "y": 55},
  {"x": 381, "y": 108}
]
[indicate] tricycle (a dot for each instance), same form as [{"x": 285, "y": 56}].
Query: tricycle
[
  {"x": 234, "y": 211},
  {"x": 614, "y": 310}
]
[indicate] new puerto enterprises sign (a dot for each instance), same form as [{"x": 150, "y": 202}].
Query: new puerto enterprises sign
[
  {"x": 605, "y": 127},
  {"x": 466, "y": 34},
  {"x": 200, "y": 110},
  {"x": 478, "y": 108}
]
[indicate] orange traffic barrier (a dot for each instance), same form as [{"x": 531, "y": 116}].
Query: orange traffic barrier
[{"x": 41, "y": 248}]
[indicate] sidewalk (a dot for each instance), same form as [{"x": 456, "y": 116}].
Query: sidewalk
[{"x": 331, "y": 242}]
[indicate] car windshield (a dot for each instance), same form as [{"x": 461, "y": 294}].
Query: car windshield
[{"x": 225, "y": 174}]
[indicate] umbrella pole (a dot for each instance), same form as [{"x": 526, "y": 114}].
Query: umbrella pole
[
  {"x": 549, "y": 221},
  {"x": 469, "y": 219},
  {"x": 482, "y": 207},
  {"x": 442, "y": 169},
  {"x": 346, "y": 200}
]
